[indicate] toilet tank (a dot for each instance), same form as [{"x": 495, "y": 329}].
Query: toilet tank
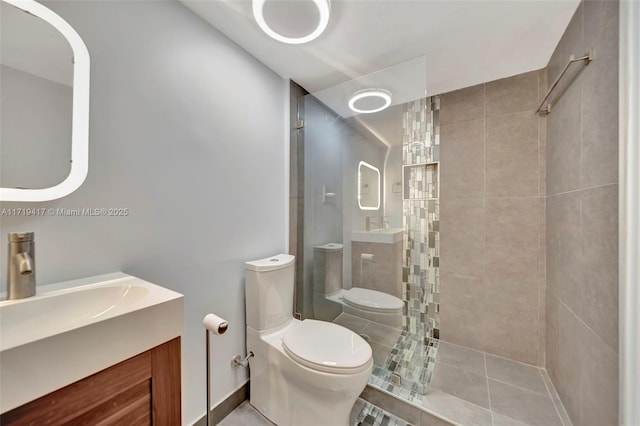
[
  {"x": 327, "y": 268},
  {"x": 269, "y": 291}
]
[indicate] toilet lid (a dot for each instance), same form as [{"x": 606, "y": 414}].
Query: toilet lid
[
  {"x": 372, "y": 300},
  {"x": 328, "y": 347}
]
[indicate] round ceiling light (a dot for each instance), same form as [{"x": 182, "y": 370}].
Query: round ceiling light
[
  {"x": 370, "y": 100},
  {"x": 323, "y": 7}
]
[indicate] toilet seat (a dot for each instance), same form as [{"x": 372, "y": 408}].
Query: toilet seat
[
  {"x": 372, "y": 300},
  {"x": 327, "y": 347}
]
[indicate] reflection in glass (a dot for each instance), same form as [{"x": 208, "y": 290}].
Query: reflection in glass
[
  {"x": 368, "y": 186},
  {"x": 370, "y": 258}
]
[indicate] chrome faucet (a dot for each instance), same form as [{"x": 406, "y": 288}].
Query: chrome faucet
[
  {"x": 384, "y": 222},
  {"x": 21, "y": 278},
  {"x": 368, "y": 222}
]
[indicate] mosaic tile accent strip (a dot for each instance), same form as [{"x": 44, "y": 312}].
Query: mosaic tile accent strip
[
  {"x": 408, "y": 369},
  {"x": 381, "y": 378},
  {"x": 421, "y": 217},
  {"x": 372, "y": 415}
]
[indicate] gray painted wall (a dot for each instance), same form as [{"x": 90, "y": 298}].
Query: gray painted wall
[{"x": 187, "y": 131}]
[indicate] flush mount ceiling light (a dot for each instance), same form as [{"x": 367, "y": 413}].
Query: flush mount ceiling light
[
  {"x": 370, "y": 100},
  {"x": 323, "y": 7}
]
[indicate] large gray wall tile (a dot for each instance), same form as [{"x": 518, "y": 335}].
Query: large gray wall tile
[
  {"x": 563, "y": 142},
  {"x": 581, "y": 226},
  {"x": 570, "y": 356},
  {"x": 462, "y": 310},
  {"x": 571, "y": 43},
  {"x": 512, "y": 155},
  {"x": 511, "y": 279},
  {"x": 511, "y": 323},
  {"x": 564, "y": 273},
  {"x": 588, "y": 380},
  {"x": 512, "y": 229},
  {"x": 462, "y": 236},
  {"x": 512, "y": 94},
  {"x": 462, "y": 159},
  {"x": 487, "y": 278},
  {"x": 597, "y": 16},
  {"x": 598, "y": 298},
  {"x": 599, "y": 148},
  {"x": 542, "y": 155},
  {"x": 542, "y": 281},
  {"x": 599, "y": 399},
  {"x": 462, "y": 105},
  {"x": 552, "y": 335}
]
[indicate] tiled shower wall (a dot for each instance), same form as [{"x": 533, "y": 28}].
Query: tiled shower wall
[
  {"x": 420, "y": 272},
  {"x": 492, "y": 281},
  {"x": 582, "y": 219}
]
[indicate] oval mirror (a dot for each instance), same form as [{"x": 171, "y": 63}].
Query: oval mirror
[{"x": 44, "y": 99}]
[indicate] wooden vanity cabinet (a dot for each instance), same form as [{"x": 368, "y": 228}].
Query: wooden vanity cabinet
[{"x": 142, "y": 390}]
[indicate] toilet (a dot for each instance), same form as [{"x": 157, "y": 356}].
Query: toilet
[
  {"x": 330, "y": 299},
  {"x": 302, "y": 372}
]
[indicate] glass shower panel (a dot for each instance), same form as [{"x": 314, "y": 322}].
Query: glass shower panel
[{"x": 388, "y": 251}]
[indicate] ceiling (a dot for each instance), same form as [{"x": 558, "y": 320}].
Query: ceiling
[{"x": 463, "y": 42}]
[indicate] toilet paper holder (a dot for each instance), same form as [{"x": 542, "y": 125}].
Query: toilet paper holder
[
  {"x": 239, "y": 361},
  {"x": 216, "y": 325}
]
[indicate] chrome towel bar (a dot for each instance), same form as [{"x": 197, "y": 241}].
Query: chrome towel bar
[{"x": 542, "y": 109}]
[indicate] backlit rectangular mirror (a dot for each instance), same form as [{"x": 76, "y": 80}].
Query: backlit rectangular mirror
[{"x": 368, "y": 186}]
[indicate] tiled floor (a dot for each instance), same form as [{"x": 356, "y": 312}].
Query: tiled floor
[
  {"x": 394, "y": 352},
  {"x": 470, "y": 387},
  {"x": 473, "y": 387},
  {"x": 363, "y": 413},
  {"x": 245, "y": 415}
]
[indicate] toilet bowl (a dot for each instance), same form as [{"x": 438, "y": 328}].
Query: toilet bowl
[
  {"x": 302, "y": 372},
  {"x": 330, "y": 299},
  {"x": 372, "y": 305}
]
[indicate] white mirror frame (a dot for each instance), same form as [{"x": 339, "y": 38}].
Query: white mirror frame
[
  {"x": 375, "y": 169},
  {"x": 80, "y": 114}
]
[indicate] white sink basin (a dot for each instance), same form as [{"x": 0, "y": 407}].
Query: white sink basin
[
  {"x": 382, "y": 236},
  {"x": 74, "y": 329}
]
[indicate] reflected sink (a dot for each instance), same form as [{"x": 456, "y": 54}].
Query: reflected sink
[
  {"x": 381, "y": 235},
  {"x": 70, "y": 330}
]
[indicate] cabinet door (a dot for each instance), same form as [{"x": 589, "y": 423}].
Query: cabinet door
[{"x": 142, "y": 390}]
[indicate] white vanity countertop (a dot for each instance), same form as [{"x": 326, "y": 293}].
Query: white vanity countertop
[
  {"x": 381, "y": 236},
  {"x": 73, "y": 329}
]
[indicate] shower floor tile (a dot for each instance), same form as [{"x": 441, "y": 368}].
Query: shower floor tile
[
  {"x": 467, "y": 386},
  {"x": 471, "y": 387},
  {"x": 516, "y": 394}
]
